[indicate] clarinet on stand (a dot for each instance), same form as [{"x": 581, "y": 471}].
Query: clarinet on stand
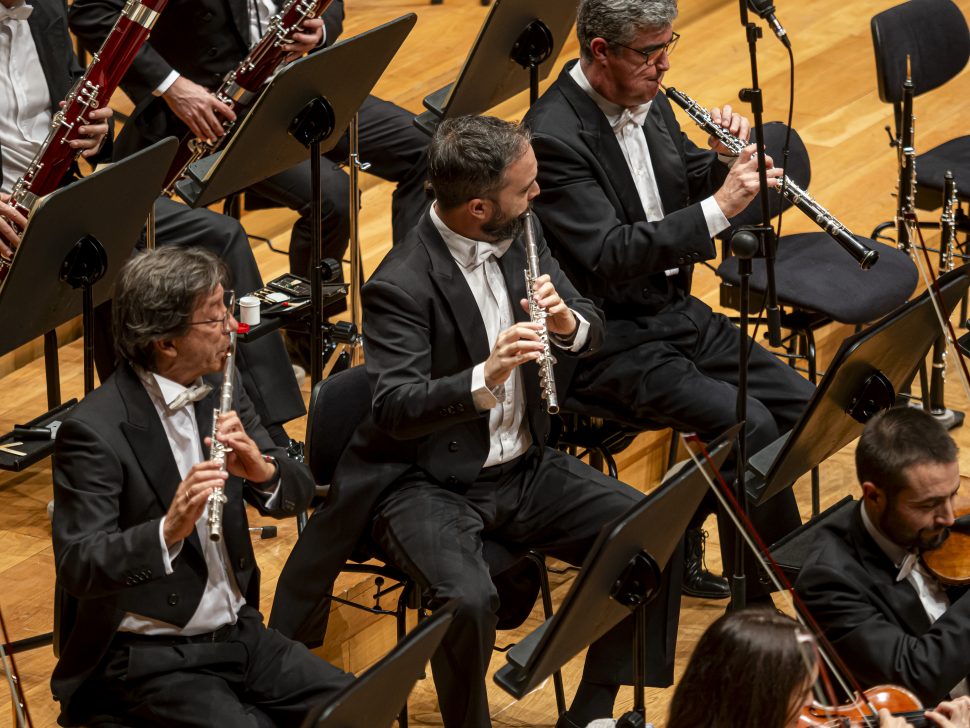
[
  {"x": 906, "y": 151},
  {"x": 217, "y": 450},
  {"x": 948, "y": 238}
]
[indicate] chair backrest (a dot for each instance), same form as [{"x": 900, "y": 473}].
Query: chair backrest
[
  {"x": 337, "y": 405},
  {"x": 798, "y": 168},
  {"x": 933, "y": 33}
]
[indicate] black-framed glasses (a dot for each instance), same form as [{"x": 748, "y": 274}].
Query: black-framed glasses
[
  {"x": 229, "y": 301},
  {"x": 652, "y": 54}
]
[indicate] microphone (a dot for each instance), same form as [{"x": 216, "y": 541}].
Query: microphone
[{"x": 766, "y": 11}]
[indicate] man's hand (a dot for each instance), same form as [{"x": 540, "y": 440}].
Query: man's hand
[
  {"x": 9, "y": 239},
  {"x": 189, "y": 501},
  {"x": 92, "y": 132},
  {"x": 245, "y": 461},
  {"x": 514, "y": 346},
  {"x": 201, "y": 111},
  {"x": 951, "y": 713},
  {"x": 735, "y": 124},
  {"x": 560, "y": 320},
  {"x": 742, "y": 183},
  {"x": 304, "y": 40}
]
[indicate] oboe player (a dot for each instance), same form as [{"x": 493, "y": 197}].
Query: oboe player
[
  {"x": 629, "y": 205},
  {"x": 167, "y": 629}
]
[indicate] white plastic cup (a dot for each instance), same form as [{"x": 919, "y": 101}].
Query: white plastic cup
[{"x": 249, "y": 310}]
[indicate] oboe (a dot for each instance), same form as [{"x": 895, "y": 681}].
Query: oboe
[
  {"x": 218, "y": 451},
  {"x": 906, "y": 150},
  {"x": 241, "y": 85},
  {"x": 91, "y": 91},
  {"x": 798, "y": 197},
  {"x": 547, "y": 378}
]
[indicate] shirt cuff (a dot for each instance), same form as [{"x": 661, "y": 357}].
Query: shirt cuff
[
  {"x": 577, "y": 341},
  {"x": 166, "y": 84},
  {"x": 168, "y": 555},
  {"x": 716, "y": 222},
  {"x": 271, "y": 496},
  {"x": 483, "y": 397}
]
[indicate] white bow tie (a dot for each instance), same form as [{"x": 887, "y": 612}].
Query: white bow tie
[
  {"x": 474, "y": 256},
  {"x": 637, "y": 115},
  {"x": 21, "y": 12},
  {"x": 194, "y": 393}
]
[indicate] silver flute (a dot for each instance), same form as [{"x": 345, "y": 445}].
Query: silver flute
[
  {"x": 863, "y": 254},
  {"x": 218, "y": 451},
  {"x": 547, "y": 378}
]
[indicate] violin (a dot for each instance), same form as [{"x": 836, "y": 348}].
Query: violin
[
  {"x": 950, "y": 563},
  {"x": 864, "y": 712}
]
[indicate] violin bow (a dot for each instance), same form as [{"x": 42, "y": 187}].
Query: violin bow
[{"x": 725, "y": 494}]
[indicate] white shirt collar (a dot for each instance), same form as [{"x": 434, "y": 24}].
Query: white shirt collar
[
  {"x": 611, "y": 110},
  {"x": 902, "y": 559},
  {"x": 466, "y": 251}
]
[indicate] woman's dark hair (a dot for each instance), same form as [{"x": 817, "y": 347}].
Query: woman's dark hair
[{"x": 743, "y": 673}]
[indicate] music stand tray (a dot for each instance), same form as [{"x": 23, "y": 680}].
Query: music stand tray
[
  {"x": 104, "y": 213},
  {"x": 867, "y": 371},
  {"x": 653, "y": 527},
  {"x": 341, "y": 75},
  {"x": 376, "y": 698},
  {"x": 489, "y": 76}
]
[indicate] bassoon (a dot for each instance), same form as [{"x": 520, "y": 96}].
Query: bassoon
[
  {"x": 92, "y": 90},
  {"x": 241, "y": 86}
]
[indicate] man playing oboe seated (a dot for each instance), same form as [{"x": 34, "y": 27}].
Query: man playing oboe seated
[
  {"x": 458, "y": 444},
  {"x": 164, "y": 627}
]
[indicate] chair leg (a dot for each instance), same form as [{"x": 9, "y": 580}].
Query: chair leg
[
  {"x": 546, "y": 594},
  {"x": 672, "y": 453},
  {"x": 401, "y": 617},
  {"x": 816, "y": 501}
]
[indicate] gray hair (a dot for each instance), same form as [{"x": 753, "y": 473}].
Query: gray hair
[
  {"x": 155, "y": 295},
  {"x": 468, "y": 157},
  {"x": 618, "y": 21}
]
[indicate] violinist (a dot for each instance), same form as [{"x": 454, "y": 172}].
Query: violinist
[
  {"x": 757, "y": 667},
  {"x": 886, "y": 615}
]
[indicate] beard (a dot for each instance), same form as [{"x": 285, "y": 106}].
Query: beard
[
  {"x": 502, "y": 227},
  {"x": 923, "y": 539}
]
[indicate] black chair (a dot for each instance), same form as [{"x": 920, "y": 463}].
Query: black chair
[
  {"x": 337, "y": 405},
  {"x": 817, "y": 282},
  {"x": 934, "y": 34}
]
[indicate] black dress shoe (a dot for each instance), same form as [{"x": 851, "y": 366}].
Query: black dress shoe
[{"x": 698, "y": 581}]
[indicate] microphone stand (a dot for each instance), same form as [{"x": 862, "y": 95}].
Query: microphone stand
[{"x": 747, "y": 243}]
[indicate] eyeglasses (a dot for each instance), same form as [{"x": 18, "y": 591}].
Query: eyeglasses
[
  {"x": 229, "y": 300},
  {"x": 652, "y": 54}
]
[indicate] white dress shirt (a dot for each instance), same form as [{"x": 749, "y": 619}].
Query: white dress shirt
[
  {"x": 25, "y": 100},
  {"x": 260, "y": 13},
  {"x": 221, "y": 599},
  {"x": 931, "y": 594},
  {"x": 627, "y": 126},
  {"x": 508, "y": 429}
]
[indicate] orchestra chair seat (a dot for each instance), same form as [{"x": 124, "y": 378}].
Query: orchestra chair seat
[
  {"x": 934, "y": 34},
  {"x": 817, "y": 281},
  {"x": 337, "y": 405}
]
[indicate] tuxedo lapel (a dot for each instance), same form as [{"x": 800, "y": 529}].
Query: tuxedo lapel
[
  {"x": 900, "y": 596},
  {"x": 49, "y": 31},
  {"x": 668, "y": 167},
  {"x": 598, "y": 136},
  {"x": 240, "y": 18},
  {"x": 453, "y": 287}
]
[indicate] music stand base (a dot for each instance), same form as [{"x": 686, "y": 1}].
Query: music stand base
[{"x": 950, "y": 419}]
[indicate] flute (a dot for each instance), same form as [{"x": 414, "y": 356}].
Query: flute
[
  {"x": 863, "y": 254},
  {"x": 218, "y": 451},
  {"x": 547, "y": 378}
]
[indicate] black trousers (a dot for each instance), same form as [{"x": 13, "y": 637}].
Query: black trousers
[
  {"x": 679, "y": 369},
  {"x": 396, "y": 151},
  {"x": 253, "y": 676},
  {"x": 266, "y": 371},
  {"x": 545, "y": 500}
]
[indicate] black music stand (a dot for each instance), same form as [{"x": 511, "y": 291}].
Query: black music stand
[
  {"x": 76, "y": 240},
  {"x": 376, "y": 698},
  {"x": 515, "y": 49},
  {"x": 303, "y": 110},
  {"x": 620, "y": 575},
  {"x": 867, "y": 371}
]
